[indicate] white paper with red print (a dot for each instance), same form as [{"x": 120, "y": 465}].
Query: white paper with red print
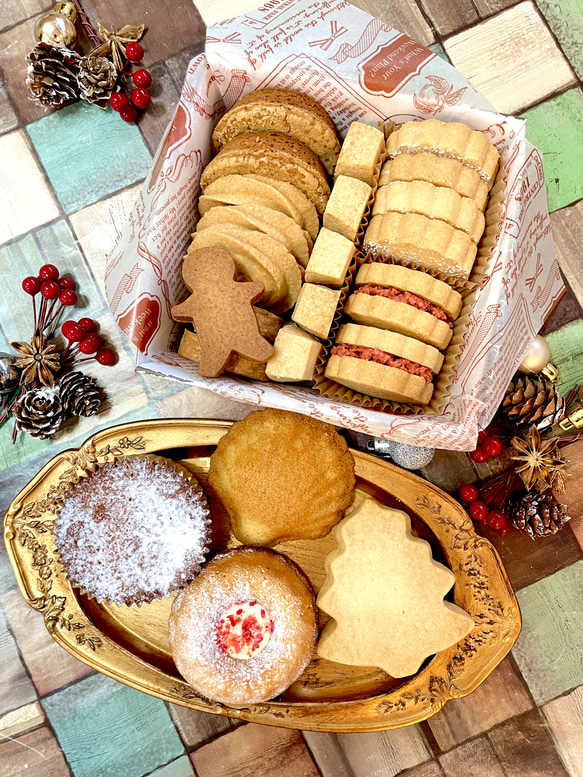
[{"x": 357, "y": 68}]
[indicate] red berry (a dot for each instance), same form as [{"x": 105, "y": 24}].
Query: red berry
[
  {"x": 31, "y": 285},
  {"x": 68, "y": 297},
  {"x": 479, "y": 455},
  {"x": 118, "y": 101},
  {"x": 505, "y": 529},
  {"x": 469, "y": 492},
  {"x": 48, "y": 272},
  {"x": 495, "y": 519},
  {"x": 129, "y": 114},
  {"x": 106, "y": 356},
  {"x": 482, "y": 436},
  {"x": 90, "y": 344},
  {"x": 66, "y": 283},
  {"x": 73, "y": 331},
  {"x": 50, "y": 289},
  {"x": 140, "y": 98},
  {"x": 478, "y": 510},
  {"x": 134, "y": 51},
  {"x": 492, "y": 446},
  {"x": 88, "y": 324},
  {"x": 142, "y": 78}
]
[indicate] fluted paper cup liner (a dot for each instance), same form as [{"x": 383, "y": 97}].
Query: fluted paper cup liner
[{"x": 132, "y": 530}]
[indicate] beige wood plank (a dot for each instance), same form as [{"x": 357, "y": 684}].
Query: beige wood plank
[
  {"x": 214, "y": 11},
  {"x": 23, "y": 207},
  {"x": 565, "y": 718},
  {"x": 20, "y": 721},
  {"x": 511, "y": 58},
  {"x": 567, "y": 226},
  {"x": 97, "y": 227}
]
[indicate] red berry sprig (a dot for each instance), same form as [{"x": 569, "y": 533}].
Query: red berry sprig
[
  {"x": 489, "y": 447},
  {"x": 478, "y": 506},
  {"x": 83, "y": 340},
  {"x": 56, "y": 292},
  {"x": 138, "y": 99}
]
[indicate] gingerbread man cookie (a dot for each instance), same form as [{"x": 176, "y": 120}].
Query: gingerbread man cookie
[{"x": 221, "y": 310}]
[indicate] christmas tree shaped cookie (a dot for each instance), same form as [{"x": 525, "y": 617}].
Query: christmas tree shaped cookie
[{"x": 384, "y": 593}]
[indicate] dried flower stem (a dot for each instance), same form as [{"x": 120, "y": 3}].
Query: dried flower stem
[{"x": 87, "y": 26}]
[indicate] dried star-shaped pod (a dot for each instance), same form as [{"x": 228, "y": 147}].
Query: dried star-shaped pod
[
  {"x": 38, "y": 360},
  {"x": 539, "y": 462},
  {"x": 384, "y": 592}
]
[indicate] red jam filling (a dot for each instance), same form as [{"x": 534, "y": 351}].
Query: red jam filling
[
  {"x": 407, "y": 297},
  {"x": 382, "y": 357},
  {"x": 244, "y": 629}
]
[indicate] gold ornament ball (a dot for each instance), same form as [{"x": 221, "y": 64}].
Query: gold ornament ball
[
  {"x": 537, "y": 358},
  {"x": 57, "y": 27}
]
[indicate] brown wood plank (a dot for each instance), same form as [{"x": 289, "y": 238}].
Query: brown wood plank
[
  {"x": 170, "y": 26},
  {"x": 430, "y": 769},
  {"x": 327, "y": 754},
  {"x": 474, "y": 759},
  {"x": 254, "y": 750},
  {"x": 500, "y": 697},
  {"x": 403, "y": 15},
  {"x": 527, "y": 560},
  {"x": 451, "y": 17},
  {"x": 574, "y": 494},
  {"x": 567, "y": 226},
  {"x": 198, "y": 728},
  {"x": 36, "y": 754},
  {"x": 525, "y": 749}
]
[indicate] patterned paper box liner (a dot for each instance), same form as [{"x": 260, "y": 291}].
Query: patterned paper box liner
[
  {"x": 340, "y": 393},
  {"x": 365, "y": 71}
]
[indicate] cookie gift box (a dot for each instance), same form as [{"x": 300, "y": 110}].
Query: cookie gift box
[{"x": 358, "y": 68}]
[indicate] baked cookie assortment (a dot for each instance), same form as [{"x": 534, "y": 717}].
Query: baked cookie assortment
[
  {"x": 305, "y": 215},
  {"x": 245, "y": 629},
  {"x": 385, "y": 593},
  {"x": 431, "y": 197},
  {"x": 281, "y": 110},
  {"x": 254, "y": 473},
  {"x": 133, "y": 531}
]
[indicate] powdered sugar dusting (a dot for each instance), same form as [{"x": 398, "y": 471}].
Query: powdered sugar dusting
[
  {"x": 133, "y": 531},
  {"x": 196, "y": 613}
]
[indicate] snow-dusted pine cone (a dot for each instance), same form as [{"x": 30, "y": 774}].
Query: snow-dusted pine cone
[
  {"x": 39, "y": 412},
  {"x": 80, "y": 394},
  {"x": 52, "y": 75}
]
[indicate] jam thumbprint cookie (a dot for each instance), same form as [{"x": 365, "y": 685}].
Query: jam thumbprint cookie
[{"x": 245, "y": 629}]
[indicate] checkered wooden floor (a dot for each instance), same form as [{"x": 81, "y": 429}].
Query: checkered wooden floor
[{"x": 82, "y": 169}]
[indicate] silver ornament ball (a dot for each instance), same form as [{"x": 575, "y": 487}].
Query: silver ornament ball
[
  {"x": 410, "y": 456},
  {"x": 9, "y": 374}
]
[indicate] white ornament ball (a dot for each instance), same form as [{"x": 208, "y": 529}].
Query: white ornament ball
[
  {"x": 537, "y": 358},
  {"x": 410, "y": 456}
]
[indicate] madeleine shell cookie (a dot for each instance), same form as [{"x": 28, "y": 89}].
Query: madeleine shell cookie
[{"x": 282, "y": 476}]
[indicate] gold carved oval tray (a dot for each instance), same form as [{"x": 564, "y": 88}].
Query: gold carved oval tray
[{"x": 130, "y": 643}]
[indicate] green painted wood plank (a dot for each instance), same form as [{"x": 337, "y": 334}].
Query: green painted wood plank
[
  {"x": 556, "y": 129},
  {"x": 88, "y": 153},
  {"x": 565, "y": 18},
  {"x": 549, "y": 650},
  {"x": 137, "y": 730}
]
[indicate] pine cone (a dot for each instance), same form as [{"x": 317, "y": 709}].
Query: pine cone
[
  {"x": 52, "y": 75},
  {"x": 535, "y": 402},
  {"x": 539, "y": 515},
  {"x": 96, "y": 78},
  {"x": 39, "y": 412},
  {"x": 80, "y": 394}
]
